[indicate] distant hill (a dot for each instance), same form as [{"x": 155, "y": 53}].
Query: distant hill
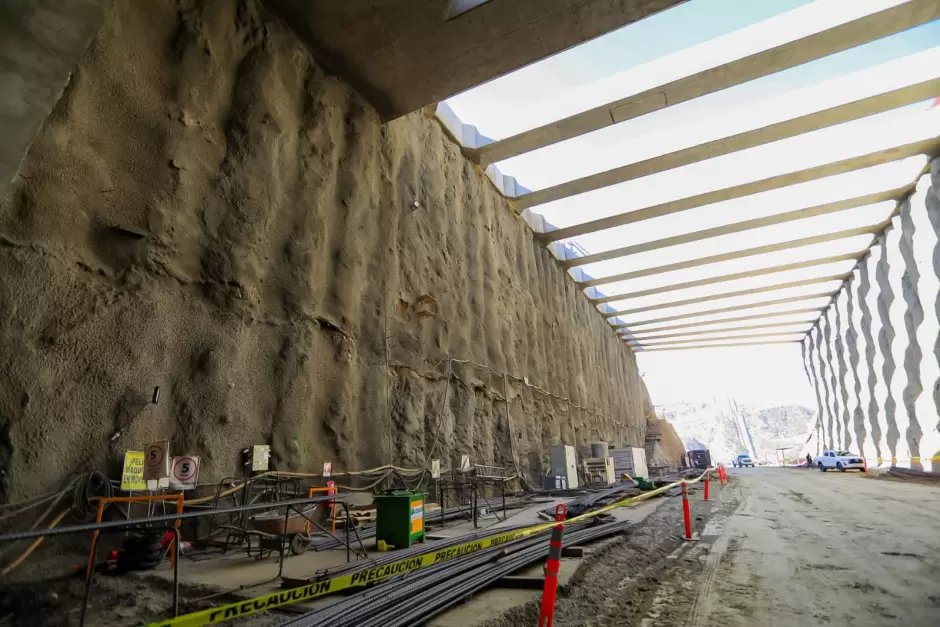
[{"x": 719, "y": 425}]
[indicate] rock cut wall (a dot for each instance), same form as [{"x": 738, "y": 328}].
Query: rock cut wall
[
  {"x": 207, "y": 211},
  {"x": 883, "y": 362}
]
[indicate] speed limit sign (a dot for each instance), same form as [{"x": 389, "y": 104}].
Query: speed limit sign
[
  {"x": 157, "y": 460},
  {"x": 184, "y": 474}
]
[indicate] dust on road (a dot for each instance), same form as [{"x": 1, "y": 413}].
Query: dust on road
[{"x": 806, "y": 548}]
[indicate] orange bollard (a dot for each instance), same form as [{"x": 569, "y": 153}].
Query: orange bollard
[
  {"x": 865, "y": 463},
  {"x": 552, "y": 564},
  {"x": 706, "y": 487},
  {"x": 331, "y": 489},
  {"x": 686, "y": 512}
]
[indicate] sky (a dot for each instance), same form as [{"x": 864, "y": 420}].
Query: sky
[{"x": 679, "y": 42}]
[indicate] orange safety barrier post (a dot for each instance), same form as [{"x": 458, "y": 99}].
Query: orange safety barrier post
[
  {"x": 329, "y": 489},
  {"x": 552, "y": 564},
  {"x": 707, "y": 473},
  {"x": 103, "y": 502},
  {"x": 686, "y": 512},
  {"x": 865, "y": 462},
  {"x": 331, "y": 485}
]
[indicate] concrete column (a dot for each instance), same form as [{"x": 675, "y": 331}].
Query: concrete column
[
  {"x": 833, "y": 347},
  {"x": 886, "y": 336},
  {"x": 856, "y": 424},
  {"x": 913, "y": 319},
  {"x": 808, "y": 348},
  {"x": 872, "y": 326},
  {"x": 927, "y": 257},
  {"x": 822, "y": 356},
  {"x": 894, "y": 408},
  {"x": 840, "y": 347},
  {"x": 862, "y": 347}
]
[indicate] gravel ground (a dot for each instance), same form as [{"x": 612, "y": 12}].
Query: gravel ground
[{"x": 618, "y": 586}]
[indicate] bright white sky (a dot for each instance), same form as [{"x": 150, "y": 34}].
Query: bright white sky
[{"x": 682, "y": 41}]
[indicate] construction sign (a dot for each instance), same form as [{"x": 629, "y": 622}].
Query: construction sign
[
  {"x": 132, "y": 476},
  {"x": 417, "y": 517},
  {"x": 184, "y": 473},
  {"x": 157, "y": 460}
]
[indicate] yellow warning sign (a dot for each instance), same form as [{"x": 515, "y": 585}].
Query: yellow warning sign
[
  {"x": 132, "y": 477},
  {"x": 417, "y": 517}
]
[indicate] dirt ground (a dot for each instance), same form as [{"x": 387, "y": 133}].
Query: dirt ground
[{"x": 781, "y": 547}]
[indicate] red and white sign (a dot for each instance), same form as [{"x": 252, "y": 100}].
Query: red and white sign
[
  {"x": 185, "y": 472},
  {"x": 327, "y": 469},
  {"x": 157, "y": 460}
]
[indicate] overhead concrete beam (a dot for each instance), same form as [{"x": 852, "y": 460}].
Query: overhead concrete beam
[
  {"x": 766, "y": 303},
  {"x": 41, "y": 41},
  {"x": 789, "y": 55},
  {"x": 723, "y": 338},
  {"x": 740, "y": 254},
  {"x": 693, "y": 348},
  {"x": 747, "y": 225},
  {"x": 928, "y": 146},
  {"x": 693, "y": 333},
  {"x": 690, "y": 325},
  {"x": 711, "y": 297},
  {"x": 748, "y": 274},
  {"x": 742, "y": 141},
  {"x": 402, "y": 55}
]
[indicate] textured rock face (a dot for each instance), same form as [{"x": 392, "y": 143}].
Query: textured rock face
[
  {"x": 289, "y": 235},
  {"x": 883, "y": 346}
]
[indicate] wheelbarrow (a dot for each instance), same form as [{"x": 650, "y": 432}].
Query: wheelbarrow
[{"x": 274, "y": 528}]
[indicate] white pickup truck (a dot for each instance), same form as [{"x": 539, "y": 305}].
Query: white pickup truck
[{"x": 839, "y": 460}]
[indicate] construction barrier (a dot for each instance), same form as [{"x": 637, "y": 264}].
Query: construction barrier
[
  {"x": 706, "y": 485},
  {"x": 241, "y": 609},
  {"x": 552, "y": 565},
  {"x": 686, "y": 512}
]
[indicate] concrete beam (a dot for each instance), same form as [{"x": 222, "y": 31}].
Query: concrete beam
[
  {"x": 723, "y": 338},
  {"x": 747, "y": 225},
  {"x": 742, "y": 141},
  {"x": 748, "y": 274},
  {"x": 766, "y": 303},
  {"x": 711, "y": 297},
  {"x": 928, "y": 146},
  {"x": 690, "y": 325},
  {"x": 740, "y": 254},
  {"x": 693, "y": 333},
  {"x": 41, "y": 42},
  {"x": 694, "y": 348},
  {"x": 843, "y": 37},
  {"x": 402, "y": 55}
]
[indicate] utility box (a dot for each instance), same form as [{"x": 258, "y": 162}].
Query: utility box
[
  {"x": 399, "y": 518},
  {"x": 565, "y": 464},
  {"x": 631, "y": 461}
]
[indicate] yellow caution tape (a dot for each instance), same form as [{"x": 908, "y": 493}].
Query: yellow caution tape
[{"x": 241, "y": 609}]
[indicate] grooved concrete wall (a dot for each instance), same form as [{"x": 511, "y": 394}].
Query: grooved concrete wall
[{"x": 874, "y": 356}]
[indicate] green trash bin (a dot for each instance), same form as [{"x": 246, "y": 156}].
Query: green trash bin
[{"x": 399, "y": 518}]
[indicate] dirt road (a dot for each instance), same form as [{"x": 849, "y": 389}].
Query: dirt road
[{"x": 803, "y": 548}]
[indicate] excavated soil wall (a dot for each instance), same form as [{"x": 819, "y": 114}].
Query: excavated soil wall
[{"x": 207, "y": 211}]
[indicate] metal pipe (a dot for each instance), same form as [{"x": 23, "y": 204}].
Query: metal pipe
[{"x": 129, "y": 524}]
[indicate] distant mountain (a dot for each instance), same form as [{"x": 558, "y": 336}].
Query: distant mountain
[{"x": 728, "y": 428}]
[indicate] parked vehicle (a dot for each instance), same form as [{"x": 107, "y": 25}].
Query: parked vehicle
[
  {"x": 839, "y": 460},
  {"x": 742, "y": 460},
  {"x": 701, "y": 459}
]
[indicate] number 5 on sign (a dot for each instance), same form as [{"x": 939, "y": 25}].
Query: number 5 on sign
[
  {"x": 157, "y": 460},
  {"x": 185, "y": 473}
]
